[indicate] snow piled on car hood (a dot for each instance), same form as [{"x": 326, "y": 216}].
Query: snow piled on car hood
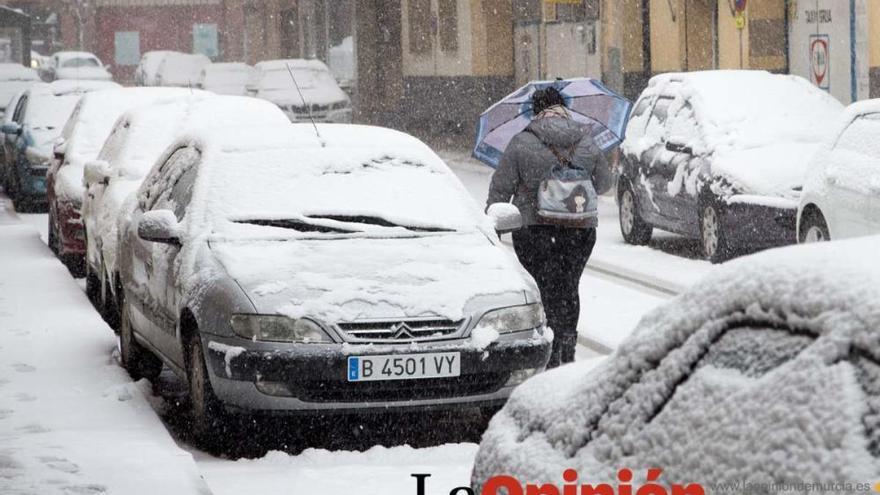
[
  {"x": 361, "y": 278},
  {"x": 772, "y": 170},
  {"x": 804, "y": 421}
]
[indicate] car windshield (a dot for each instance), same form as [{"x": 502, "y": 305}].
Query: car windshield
[
  {"x": 341, "y": 190},
  {"x": 80, "y": 62}
]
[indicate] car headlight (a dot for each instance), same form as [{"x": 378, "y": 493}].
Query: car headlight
[
  {"x": 275, "y": 328},
  {"x": 513, "y": 319}
]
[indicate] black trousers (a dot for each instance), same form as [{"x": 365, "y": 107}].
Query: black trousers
[{"x": 556, "y": 257}]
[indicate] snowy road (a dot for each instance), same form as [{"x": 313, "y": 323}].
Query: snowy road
[{"x": 378, "y": 455}]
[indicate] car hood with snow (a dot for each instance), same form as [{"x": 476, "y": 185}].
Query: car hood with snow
[
  {"x": 361, "y": 278},
  {"x": 87, "y": 73},
  {"x": 747, "y": 377}
]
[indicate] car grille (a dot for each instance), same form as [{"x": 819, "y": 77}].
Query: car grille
[
  {"x": 399, "y": 390},
  {"x": 401, "y": 331}
]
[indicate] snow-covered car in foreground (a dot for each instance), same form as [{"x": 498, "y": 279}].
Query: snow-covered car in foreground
[
  {"x": 14, "y": 78},
  {"x": 80, "y": 141},
  {"x": 181, "y": 69},
  {"x": 134, "y": 144},
  {"x": 75, "y": 65},
  {"x": 279, "y": 271},
  {"x": 765, "y": 372},
  {"x": 229, "y": 78},
  {"x": 37, "y": 121},
  {"x": 319, "y": 96},
  {"x": 721, "y": 156},
  {"x": 841, "y": 196}
]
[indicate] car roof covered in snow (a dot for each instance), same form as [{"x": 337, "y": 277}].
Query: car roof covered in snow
[
  {"x": 181, "y": 69},
  {"x": 153, "y": 128},
  {"x": 97, "y": 111},
  {"x": 17, "y": 72},
  {"x": 293, "y": 63},
  {"x": 73, "y": 54},
  {"x": 827, "y": 294}
]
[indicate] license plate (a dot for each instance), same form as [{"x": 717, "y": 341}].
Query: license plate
[{"x": 404, "y": 366}]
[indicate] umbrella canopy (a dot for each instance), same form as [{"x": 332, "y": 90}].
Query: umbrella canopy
[{"x": 602, "y": 111}]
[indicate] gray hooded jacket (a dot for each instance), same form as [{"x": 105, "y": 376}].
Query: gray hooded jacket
[{"x": 527, "y": 161}]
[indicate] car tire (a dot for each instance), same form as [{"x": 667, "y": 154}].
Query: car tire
[
  {"x": 208, "y": 416},
  {"x": 814, "y": 228},
  {"x": 93, "y": 289},
  {"x": 633, "y": 228},
  {"x": 75, "y": 264},
  {"x": 138, "y": 361},
  {"x": 108, "y": 301},
  {"x": 713, "y": 237}
]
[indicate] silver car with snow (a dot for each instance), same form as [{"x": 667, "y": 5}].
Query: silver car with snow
[{"x": 282, "y": 271}]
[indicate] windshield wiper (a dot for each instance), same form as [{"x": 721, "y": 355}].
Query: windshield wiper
[
  {"x": 298, "y": 225},
  {"x": 381, "y": 222}
]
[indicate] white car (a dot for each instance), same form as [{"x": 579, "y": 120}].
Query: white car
[
  {"x": 80, "y": 141},
  {"x": 145, "y": 74},
  {"x": 133, "y": 146},
  {"x": 841, "y": 197},
  {"x": 14, "y": 78},
  {"x": 75, "y": 65},
  {"x": 229, "y": 78},
  {"x": 304, "y": 89},
  {"x": 181, "y": 69},
  {"x": 279, "y": 271},
  {"x": 765, "y": 372}
]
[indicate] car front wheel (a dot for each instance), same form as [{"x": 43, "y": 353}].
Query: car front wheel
[
  {"x": 814, "y": 228},
  {"x": 633, "y": 228},
  {"x": 713, "y": 238},
  {"x": 208, "y": 416}
]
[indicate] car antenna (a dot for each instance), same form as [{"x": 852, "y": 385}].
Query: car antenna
[{"x": 308, "y": 107}]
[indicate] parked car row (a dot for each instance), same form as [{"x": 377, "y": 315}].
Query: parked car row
[
  {"x": 305, "y": 90},
  {"x": 740, "y": 160},
  {"x": 280, "y": 267}
]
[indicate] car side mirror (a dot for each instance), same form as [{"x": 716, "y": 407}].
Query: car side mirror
[
  {"x": 97, "y": 172},
  {"x": 506, "y": 217},
  {"x": 11, "y": 128},
  {"x": 159, "y": 226},
  {"x": 679, "y": 147}
]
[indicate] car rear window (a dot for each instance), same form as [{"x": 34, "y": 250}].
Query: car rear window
[{"x": 754, "y": 351}]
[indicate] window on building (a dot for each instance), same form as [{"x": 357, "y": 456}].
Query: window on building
[
  {"x": 127, "y": 48},
  {"x": 449, "y": 25},
  {"x": 420, "y": 32},
  {"x": 205, "y": 40}
]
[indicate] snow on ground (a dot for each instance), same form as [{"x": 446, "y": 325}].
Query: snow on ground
[
  {"x": 71, "y": 420},
  {"x": 377, "y": 471}
]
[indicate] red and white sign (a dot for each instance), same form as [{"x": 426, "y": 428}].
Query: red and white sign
[{"x": 820, "y": 60}]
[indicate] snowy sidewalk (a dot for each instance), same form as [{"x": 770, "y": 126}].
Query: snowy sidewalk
[{"x": 71, "y": 420}]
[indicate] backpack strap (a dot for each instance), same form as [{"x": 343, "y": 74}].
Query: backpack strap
[{"x": 565, "y": 161}]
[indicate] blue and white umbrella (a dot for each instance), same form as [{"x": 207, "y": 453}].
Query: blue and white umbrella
[{"x": 602, "y": 111}]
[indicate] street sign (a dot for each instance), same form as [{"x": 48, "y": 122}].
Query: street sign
[
  {"x": 739, "y": 5},
  {"x": 740, "y": 20},
  {"x": 820, "y": 60}
]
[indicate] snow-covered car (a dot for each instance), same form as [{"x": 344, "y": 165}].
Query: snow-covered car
[
  {"x": 841, "y": 196},
  {"x": 74, "y": 65},
  {"x": 80, "y": 141},
  {"x": 14, "y": 78},
  {"x": 181, "y": 69},
  {"x": 37, "y": 121},
  {"x": 134, "y": 144},
  {"x": 747, "y": 378},
  {"x": 319, "y": 96},
  {"x": 229, "y": 78},
  {"x": 340, "y": 59},
  {"x": 721, "y": 156},
  {"x": 145, "y": 73},
  {"x": 7, "y": 141},
  {"x": 282, "y": 271}
]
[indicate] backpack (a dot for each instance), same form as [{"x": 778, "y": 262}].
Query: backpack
[{"x": 566, "y": 195}]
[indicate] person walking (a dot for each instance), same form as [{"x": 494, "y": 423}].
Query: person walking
[{"x": 555, "y": 242}]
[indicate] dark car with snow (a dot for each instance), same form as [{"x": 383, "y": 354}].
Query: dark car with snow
[
  {"x": 763, "y": 373},
  {"x": 278, "y": 270},
  {"x": 721, "y": 156}
]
